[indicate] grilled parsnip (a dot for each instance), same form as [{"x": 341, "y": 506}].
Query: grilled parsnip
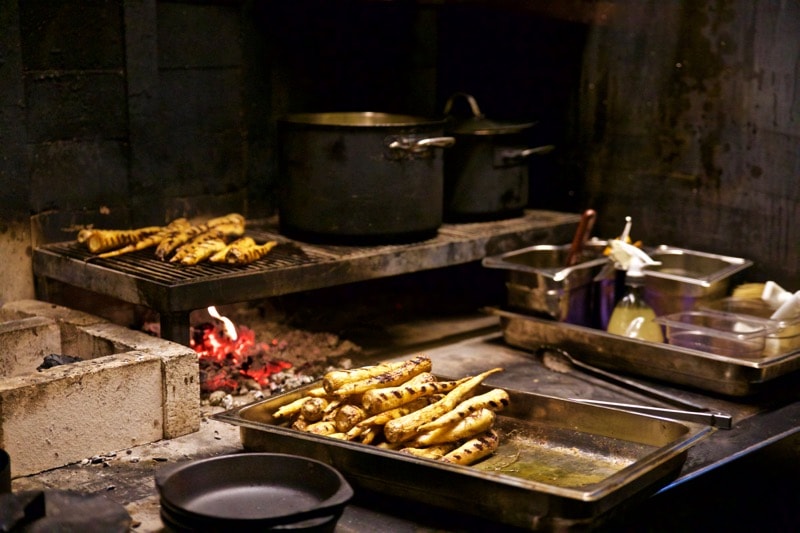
[
  {"x": 199, "y": 252},
  {"x": 430, "y": 452},
  {"x": 495, "y": 399},
  {"x": 245, "y": 256},
  {"x": 339, "y": 409},
  {"x": 406, "y": 371},
  {"x": 474, "y": 449},
  {"x": 381, "y": 419},
  {"x": 293, "y": 408},
  {"x": 336, "y": 378},
  {"x": 103, "y": 240},
  {"x": 369, "y": 436},
  {"x": 241, "y": 243},
  {"x": 333, "y": 406},
  {"x": 313, "y": 409},
  {"x": 325, "y": 427},
  {"x": 84, "y": 234},
  {"x": 348, "y": 416},
  {"x": 377, "y": 400},
  {"x": 199, "y": 248},
  {"x": 464, "y": 428},
  {"x": 403, "y": 428},
  {"x": 171, "y": 244},
  {"x": 177, "y": 225},
  {"x": 223, "y": 231}
]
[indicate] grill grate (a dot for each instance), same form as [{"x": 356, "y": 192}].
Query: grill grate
[
  {"x": 144, "y": 265},
  {"x": 292, "y": 266}
]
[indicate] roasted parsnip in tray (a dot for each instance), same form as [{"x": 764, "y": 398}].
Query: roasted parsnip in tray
[{"x": 402, "y": 406}]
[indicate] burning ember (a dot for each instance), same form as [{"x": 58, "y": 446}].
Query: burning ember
[{"x": 231, "y": 359}]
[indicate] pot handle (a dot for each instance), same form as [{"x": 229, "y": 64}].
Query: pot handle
[
  {"x": 419, "y": 145},
  {"x": 546, "y": 149},
  {"x": 514, "y": 155},
  {"x": 473, "y": 104}
]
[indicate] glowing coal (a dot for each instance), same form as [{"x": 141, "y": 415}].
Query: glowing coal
[{"x": 231, "y": 359}]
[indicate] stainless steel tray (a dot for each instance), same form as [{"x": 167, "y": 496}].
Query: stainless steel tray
[
  {"x": 682, "y": 366},
  {"x": 561, "y": 463}
]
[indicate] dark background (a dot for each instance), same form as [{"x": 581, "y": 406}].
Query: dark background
[{"x": 683, "y": 114}]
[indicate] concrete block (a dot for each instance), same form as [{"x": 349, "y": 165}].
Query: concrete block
[
  {"x": 131, "y": 389},
  {"x": 24, "y": 343},
  {"x": 83, "y": 105},
  {"x": 181, "y": 378},
  {"x": 61, "y": 314},
  {"x": 70, "y": 412},
  {"x": 15, "y": 269},
  {"x": 102, "y": 166},
  {"x": 74, "y": 340},
  {"x": 71, "y": 35},
  {"x": 183, "y": 31},
  {"x": 180, "y": 373}
]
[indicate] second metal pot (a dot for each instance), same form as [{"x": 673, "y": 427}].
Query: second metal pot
[
  {"x": 486, "y": 172},
  {"x": 360, "y": 177}
]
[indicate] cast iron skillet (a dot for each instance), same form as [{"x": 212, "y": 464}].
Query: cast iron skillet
[{"x": 251, "y": 491}]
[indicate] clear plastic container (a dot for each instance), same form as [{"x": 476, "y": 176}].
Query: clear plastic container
[
  {"x": 715, "y": 332},
  {"x": 784, "y": 335}
]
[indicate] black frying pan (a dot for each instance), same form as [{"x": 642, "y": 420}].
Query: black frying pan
[{"x": 252, "y": 491}]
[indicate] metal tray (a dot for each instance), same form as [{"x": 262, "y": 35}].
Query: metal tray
[
  {"x": 561, "y": 463},
  {"x": 731, "y": 376}
]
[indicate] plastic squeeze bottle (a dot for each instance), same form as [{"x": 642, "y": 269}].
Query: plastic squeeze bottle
[{"x": 632, "y": 316}]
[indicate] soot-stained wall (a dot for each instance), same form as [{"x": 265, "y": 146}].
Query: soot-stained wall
[{"x": 684, "y": 115}]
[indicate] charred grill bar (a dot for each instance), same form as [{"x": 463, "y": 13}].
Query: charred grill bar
[{"x": 292, "y": 266}]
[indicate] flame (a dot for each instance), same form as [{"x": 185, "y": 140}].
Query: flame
[
  {"x": 230, "y": 327},
  {"x": 234, "y": 351}
]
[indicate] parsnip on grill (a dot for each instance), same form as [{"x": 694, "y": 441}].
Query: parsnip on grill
[
  {"x": 181, "y": 242},
  {"x": 103, "y": 240}
]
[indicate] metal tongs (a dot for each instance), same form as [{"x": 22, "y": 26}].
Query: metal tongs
[
  {"x": 717, "y": 420},
  {"x": 560, "y": 360}
]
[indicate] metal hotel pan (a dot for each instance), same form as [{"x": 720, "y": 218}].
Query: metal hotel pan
[
  {"x": 682, "y": 366},
  {"x": 538, "y": 280},
  {"x": 560, "y": 463}
]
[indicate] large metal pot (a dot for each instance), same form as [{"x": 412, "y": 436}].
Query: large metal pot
[
  {"x": 486, "y": 172},
  {"x": 360, "y": 177}
]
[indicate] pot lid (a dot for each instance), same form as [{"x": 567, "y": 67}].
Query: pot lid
[
  {"x": 368, "y": 119},
  {"x": 478, "y": 124}
]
